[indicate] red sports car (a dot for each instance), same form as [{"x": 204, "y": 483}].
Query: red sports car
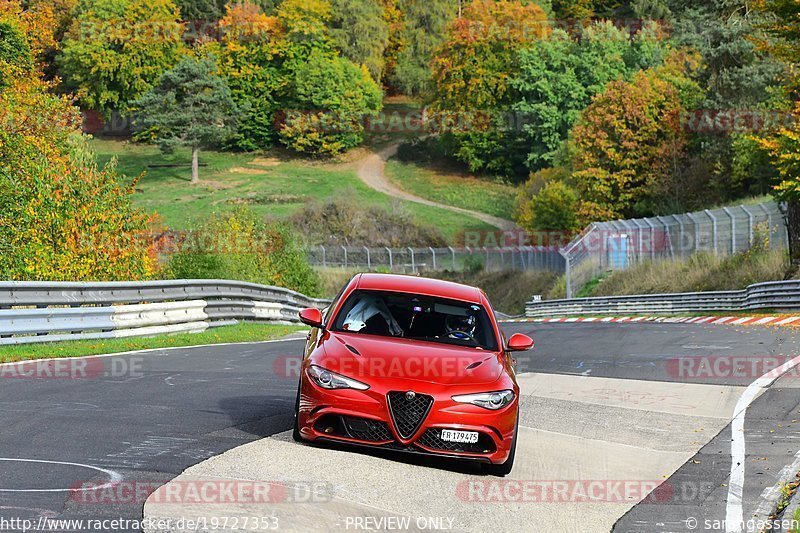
[{"x": 414, "y": 365}]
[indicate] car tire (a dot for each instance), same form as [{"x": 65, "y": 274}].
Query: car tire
[
  {"x": 296, "y": 428},
  {"x": 504, "y": 469}
]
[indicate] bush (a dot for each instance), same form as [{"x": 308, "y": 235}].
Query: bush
[
  {"x": 344, "y": 221},
  {"x": 553, "y": 207},
  {"x": 332, "y": 98},
  {"x": 239, "y": 246}
]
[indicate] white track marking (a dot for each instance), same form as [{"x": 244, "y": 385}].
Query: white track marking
[
  {"x": 113, "y": 477},
  {"x": 734, "y": 515}
]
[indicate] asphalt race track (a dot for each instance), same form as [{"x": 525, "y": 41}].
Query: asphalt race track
[{"x": 602, "y": 402}]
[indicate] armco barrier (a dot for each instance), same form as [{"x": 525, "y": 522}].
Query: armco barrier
[
  {"x": 774, "y": 295},
  {"x": 53, "y": 311}
]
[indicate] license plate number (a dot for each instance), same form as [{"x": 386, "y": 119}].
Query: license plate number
[{"x": 468, "y": 437}]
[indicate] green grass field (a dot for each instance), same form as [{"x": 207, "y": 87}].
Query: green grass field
[
  {"x": 244, "y": 332},
  {"x": 273, "y": 185},
  {"x": 454, "y": 189}
]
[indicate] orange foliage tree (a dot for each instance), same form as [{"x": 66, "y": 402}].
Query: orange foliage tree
[
  {"x": 630, "y": 141},
  {"x": 61, "y": 217}
]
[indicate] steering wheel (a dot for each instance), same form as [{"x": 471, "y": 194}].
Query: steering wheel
[{"x": 460, "y": 335}]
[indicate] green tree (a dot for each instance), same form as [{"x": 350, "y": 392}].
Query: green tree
[
  {"x": 553, "y": 208},
  {"x": 423, "y": 31},
  {"x": 361, "y": 33},
  {"x": 331, "y": 99},
  {"x": 736, "y": 75},
  {"x": 115, "y": 50},
  {"x": 558, "y": 77},
  {"x": 190, "y": 106}
]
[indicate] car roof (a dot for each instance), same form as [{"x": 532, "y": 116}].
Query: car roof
[{"x": 418, "y": 285}]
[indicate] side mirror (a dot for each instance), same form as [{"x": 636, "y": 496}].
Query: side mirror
[
  {"x": 519, "y": 343},
  {"x": 312, "y": 317}
]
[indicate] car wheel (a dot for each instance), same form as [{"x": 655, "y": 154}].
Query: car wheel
[
  {"x": 296, "y": 429},
  {"x": 504, "y": 469}
]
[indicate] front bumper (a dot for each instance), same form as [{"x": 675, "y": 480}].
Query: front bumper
[{"x": 364, "y": 418}]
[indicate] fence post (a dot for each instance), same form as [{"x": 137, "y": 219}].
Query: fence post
[
  {"x": 413, "y": 263},
  {"x": 636, "y": 233},
  {"x": 567, "y": 273},
  {"x": 369, "y": 262},
  {"x": 652, "y": 237},
  {"x": 680, "y": 233},
  {"x": 391, "y": 263},
  {"x": 324, "y": 262},
  {"x": 696, "y": 231},
  {"x": 751, "y": 223},
  {"x": 667, "y": 235},
  {"x": 345, "y": 256},
  {"x": 714, "y": 229},
  {"x": 433, "y": 256},
  {"x": 453, "y": 254},
  {"x": 733, "y": 229}
]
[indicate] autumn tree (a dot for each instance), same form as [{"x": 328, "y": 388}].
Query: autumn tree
[
  {"x": 61, "y": 216},
  {"x": 630, "y": 141},
  {"x": 471, "y": 73},
  {"x": 115, "y": 50},
  {"x": 783, "y": 144},
  {"x": 250, "y": 59},
  {"x": 190, "y": 106}
]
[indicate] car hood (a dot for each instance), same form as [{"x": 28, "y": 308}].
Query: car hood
[{"x": 369, "y": 358}]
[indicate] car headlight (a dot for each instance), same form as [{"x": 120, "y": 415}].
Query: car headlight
[
  {"x": 331, "y": 380},
  {"x": 488, "y": 400}
]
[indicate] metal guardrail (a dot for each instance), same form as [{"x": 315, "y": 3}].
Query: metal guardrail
[
  {"x": 778, "y": 295},
  {"x": 33, "y": 312}
]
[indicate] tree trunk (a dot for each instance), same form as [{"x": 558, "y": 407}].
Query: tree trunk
[
  {"x": 793, "y": 227},
  {"x": 195, "y": 164}
]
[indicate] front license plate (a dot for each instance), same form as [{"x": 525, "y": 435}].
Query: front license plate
[{"x": 469, "y": 437}]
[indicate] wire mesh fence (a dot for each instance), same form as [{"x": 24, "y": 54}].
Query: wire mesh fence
[
  {"x": 416, "y": 260},
  {"x": 620, "y": 244}
]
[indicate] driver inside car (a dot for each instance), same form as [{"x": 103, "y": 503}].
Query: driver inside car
[{"x": 460, "y": 327}]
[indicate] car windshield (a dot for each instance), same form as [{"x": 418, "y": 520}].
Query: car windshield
[{"x": 413, "y": 316}]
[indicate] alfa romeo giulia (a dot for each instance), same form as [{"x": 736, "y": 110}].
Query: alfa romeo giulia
[{"x": 411, "y": 364}]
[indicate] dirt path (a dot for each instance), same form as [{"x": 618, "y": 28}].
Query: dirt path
[{"x": 371, "y": 171}]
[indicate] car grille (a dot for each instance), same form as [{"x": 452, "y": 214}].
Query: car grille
[
  {"x": 408, "y": 415},
  {"x": 432, "y": 439}
]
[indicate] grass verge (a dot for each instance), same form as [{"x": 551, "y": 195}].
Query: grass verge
[
  {"x": 244, "y": 332},
  {"x": 451, "y": 188},
  {"x": 273, "y": 185}
]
